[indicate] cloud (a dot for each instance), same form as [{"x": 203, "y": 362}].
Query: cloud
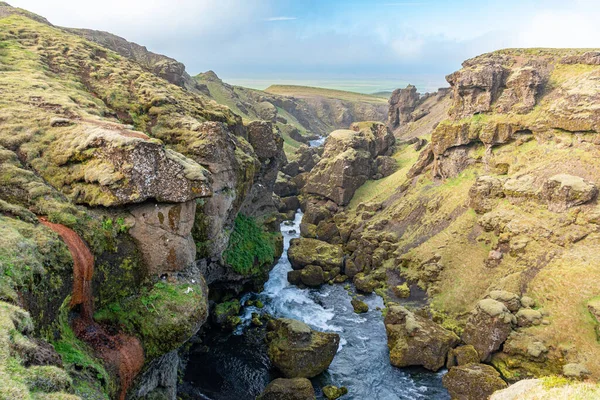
[{"x": 281, "y": 19}]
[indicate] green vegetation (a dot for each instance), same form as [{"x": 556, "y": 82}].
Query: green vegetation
[
  {"x": 162, "y": 316},
  {"x": 250, "y": 247},
  {"x": 307, "y": 91}
]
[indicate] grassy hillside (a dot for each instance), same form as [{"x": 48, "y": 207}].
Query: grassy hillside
[{"x": 307, "y": 91}]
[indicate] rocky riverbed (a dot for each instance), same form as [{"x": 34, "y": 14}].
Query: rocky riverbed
[{"x": 236, "y": 365}]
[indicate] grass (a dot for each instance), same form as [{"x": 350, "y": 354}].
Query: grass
[
  {"x": 250, "y": 247},
  {"x": 307, "y": 91}
]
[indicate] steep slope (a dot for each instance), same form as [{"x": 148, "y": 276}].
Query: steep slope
[
  {"x": 150, "y": 175},
  {"x": 496, "y": 217}
]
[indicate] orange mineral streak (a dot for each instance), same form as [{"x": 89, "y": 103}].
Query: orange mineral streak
[{"x": 121, "y": 352}]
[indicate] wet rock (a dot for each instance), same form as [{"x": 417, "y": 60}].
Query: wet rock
[
  {"x": 312, "y": 276},
  {"x": 359, "y": 306},
  {"x": 288, "y": 389},
  {"x": 294, "y": 277},
  {"x": 226, "y": 314},
  {"x": 462, "y": 355},
  {"x": 488, "y": 327},
  {"x": 352, "y": 269},
  {"x": 303, "y": 252},
  {"x": 473, "y": 382},
  {"x": 298, "y": 351},
  {"x": 565, "y": 191},
  {"x": 414, "y": 340},
  {"x": 334, "y": 392},
  {"x": 365, "y": 283}
]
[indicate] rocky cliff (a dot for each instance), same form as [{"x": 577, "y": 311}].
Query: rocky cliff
[
  {"x": 492, "y": 210},
  {"x": 111, "y": 143}
]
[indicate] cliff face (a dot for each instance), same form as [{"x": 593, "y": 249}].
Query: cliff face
[
  {"x": 106, "y": 140},
  {"x": 492, "y": 211}
]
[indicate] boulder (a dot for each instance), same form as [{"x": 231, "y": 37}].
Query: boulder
[
  {"x": 488, "y": 327},
  {"x": 294, "y": 277},
  {"x": 284, "y": 186},
  {"x": 386, "y": 166},
  {"x": 303, "y": 252},
  {"x": 308, "y": 157},
  {"x": 365, "y": 283},
  {"x": 414, "y": 340},
  {"x": 509, "y": 299},
  {"x": 528, "y": 317},
  {"x": 472, "y": 382},
  {"x": 288, "y": 389},
  {"x": 298, "y": 351},
  {"x": 333, "y": 392},
  {"x": 483, "y": 193},
  {"x": 564, "y": 191},
  {"x": 462, "y": 355},
  {"x": 402, "y": 291},
  {"x": 575, "y": 370},
  {"x": 312, "y": 276},
  {"x": 359, "y": 306}
]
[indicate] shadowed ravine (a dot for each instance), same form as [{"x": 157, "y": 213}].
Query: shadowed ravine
[
  {"x": 123, "y": 353},
  {"x": 236, "y": 367}
]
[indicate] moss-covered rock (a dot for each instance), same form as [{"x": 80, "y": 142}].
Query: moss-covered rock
[
  {"x": 414, "y": 340},
  {"x": 359, "y": 306},
  {"x": 333, "y": 392},
  {"x": 462, "y": 355},
  {"x": 288, "y": 389},
  {"x": 312, "y": 276},
  {"x": 473, "y": 382},
  {"x": 298, "y": 351},
  {"x": 226, "y": 314},
  {"x": 303, "y": 252}
]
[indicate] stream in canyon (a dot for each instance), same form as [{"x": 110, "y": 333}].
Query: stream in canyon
[{"x": 235, "y": 366}]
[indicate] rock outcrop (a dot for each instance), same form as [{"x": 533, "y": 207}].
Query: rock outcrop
[
  {"x": 414, "y": 340},
  {"x": 348, "y": 161},
  {"x": 299, "y": 352}
]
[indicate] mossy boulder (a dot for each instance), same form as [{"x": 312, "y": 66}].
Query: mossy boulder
[
  {"x": 303, "y": 252},
  {"x": 333, "y": 392},
  {"x": 226, "y": 314},
  {"x": 511, "y": 300},
  {"x": 402, "y": 291},
  {"x": 462, "y": 355},
  {"x": 488, "y": 327},
  {"x": 473, "y": 382},
  {"x": 563, "y": 191},
  {"x": 366, "y": 283},
  {"x": 297, "y": 351},
  {"x": 414, "y": 340},
  {"x": 288, "y": 389},
  {"x": 359, "y": 306},
  {"x": 312, "y": 276}
]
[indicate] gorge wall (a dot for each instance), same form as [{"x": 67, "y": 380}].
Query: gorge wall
[{"x": 490, "y": 208}]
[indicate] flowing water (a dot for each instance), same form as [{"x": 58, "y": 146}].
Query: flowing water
[{"x": 235, "y": 366}]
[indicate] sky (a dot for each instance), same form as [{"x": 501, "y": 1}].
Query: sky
[{"x": 363, "y": 45}]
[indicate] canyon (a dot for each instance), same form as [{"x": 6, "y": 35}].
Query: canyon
[{"x": 156, "y": 227}]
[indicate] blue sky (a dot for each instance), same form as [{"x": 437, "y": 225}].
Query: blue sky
[{"x": 353, "y": 40}]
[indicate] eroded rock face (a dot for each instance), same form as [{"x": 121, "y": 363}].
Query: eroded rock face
[
  {"x": 402, "y": 103},
  {"x": 233, "y": 165},
  {"x": 488, "y": 327},
  {"x": 476, "y": 88},
  {"x": 288, "y": 389},
  {"x": 298, "y": 351},
  {"x": 414, "y": 340},
  {"x": 348, "y": 161},
  {"x": 473, "y": 382},
  {"x": 163, "y": 233},
  {"x": 94, "y": 165}
]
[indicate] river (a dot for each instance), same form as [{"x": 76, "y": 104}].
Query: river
[{"x": 234, "y": 366}]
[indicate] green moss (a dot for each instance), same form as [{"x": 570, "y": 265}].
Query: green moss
[
  {"x": 250, "y": 247},
  {"x": 162, "y": 316}
]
